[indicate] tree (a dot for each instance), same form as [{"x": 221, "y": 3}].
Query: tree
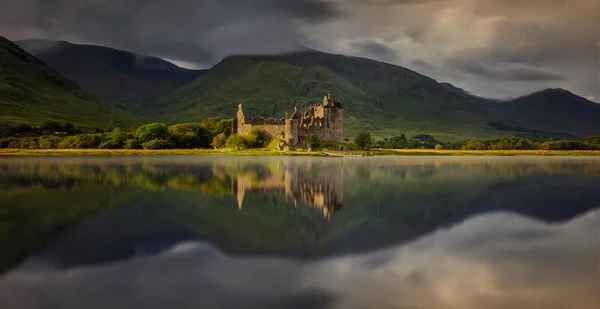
[
  {"x": 594, "y": 140},
  {"x": 51, "y": 126},
  {"x": 219, "y": 141},
  {"x": 364, "y": 140},
  {"x": 68, "y": 127},
  {"x": 151, "y": 131},
  {"x": 157, "y": 144}
]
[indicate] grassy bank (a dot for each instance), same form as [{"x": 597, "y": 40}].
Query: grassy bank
[
  {"x": 133, "y": 152},
  {"x": 259, "y": 152}
]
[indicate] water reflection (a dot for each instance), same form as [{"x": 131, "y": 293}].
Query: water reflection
[
  {"x": 229, "y": 232},
  {"x": 319, "y": 186},
  {"x": 498, "y": 260}
]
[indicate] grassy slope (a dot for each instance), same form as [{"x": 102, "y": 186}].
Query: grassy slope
[
  {"x": 112, "y": 75},
  {"x": 378, "y": 97},
  {"x": 32, "y": 93}
]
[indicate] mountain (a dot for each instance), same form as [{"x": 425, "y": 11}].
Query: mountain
[
  {"x": 32, "y": 93},
  {"x": 378, "y": 97},
  {"x": 466, "y": 95},
  {"x": 550, "y": 110},
  {"x": 113, "y": 75}
]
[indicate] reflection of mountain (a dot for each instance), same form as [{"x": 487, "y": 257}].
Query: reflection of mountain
[
  {"x": 117, "y": 234},
  {"x": 511, "y": 261},
  {"x": 321, "y": 189},
  {"x": 386, "y": 201}
]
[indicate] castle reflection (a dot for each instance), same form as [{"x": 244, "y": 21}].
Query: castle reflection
[{"x": 316, "y": 186}]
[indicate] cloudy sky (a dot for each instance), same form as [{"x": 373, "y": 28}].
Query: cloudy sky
[{"x": 499, "y": 48}]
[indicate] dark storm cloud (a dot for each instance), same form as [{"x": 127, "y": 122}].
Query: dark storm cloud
[
  {"x": 502, "y": 71},
  {"x": 187, "y": 30},
  {"x": 535, "y": 43},
  {"x": 376, "y": 50},
  {"x": 395, "y": 2},
  {"x": 420, "y": 64},
  {"x": 313, "y": 10}
]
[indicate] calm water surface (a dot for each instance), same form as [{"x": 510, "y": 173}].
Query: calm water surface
[{"x": 252, "y": 232}]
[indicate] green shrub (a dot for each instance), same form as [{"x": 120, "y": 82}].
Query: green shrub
[
  {"x": 87, "y": 141},
  {"x": 114, "y": 140},
  {"x": 313, "y": 141},
  {"x": 236, "y": 142},
  {"x": 219, "y": 141},
  {"x": 49, "y": 142},
  {"x": 274, "y": 144},
  {"x": 256, "y": 138},
  {"x": 132, "y": 143},
  {"x": 157, "y": 144},
  {"x": 67, "y": 143},
  {"x": 111, "y": 144}
]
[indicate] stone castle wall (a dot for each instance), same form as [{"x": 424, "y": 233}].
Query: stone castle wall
[
  {"x": 324, "y": 120},
  {"x": 327, "y": 123}
]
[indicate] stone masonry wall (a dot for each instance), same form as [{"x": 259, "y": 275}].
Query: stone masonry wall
[
  {"x": 324, "y": 120},
  {"x": 272, "y": 131}
]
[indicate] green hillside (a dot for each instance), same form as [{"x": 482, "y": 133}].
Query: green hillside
[
  {"x": 112, "y": 75},
  {"x": 381, "y": 98},
  {"x": 32, "y": 93}
]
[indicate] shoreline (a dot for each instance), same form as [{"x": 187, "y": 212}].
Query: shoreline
[{"x": 258, "y": 152}]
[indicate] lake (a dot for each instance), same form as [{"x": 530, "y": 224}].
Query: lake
[{"x": 285, "y": 232}]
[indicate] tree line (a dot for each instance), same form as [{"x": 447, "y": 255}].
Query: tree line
[
  {"x": 150, "y": 136},
  {"x": 216, "y": 133},
  {"x": 425, "y": 141}
]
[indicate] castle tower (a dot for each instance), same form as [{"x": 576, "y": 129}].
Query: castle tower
[
  {"x": 291, "y": 128},
  {"x": 328, "y": 100},
  {"x": 240, "y": 114},
  {"x": 238, "y": 121}
]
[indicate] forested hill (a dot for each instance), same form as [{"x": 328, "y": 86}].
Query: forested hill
[
  {"x": 113, "y": 75},
  {"x": 33, "y": 93}
]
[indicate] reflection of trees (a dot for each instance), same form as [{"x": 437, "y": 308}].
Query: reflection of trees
[
  {"x": 317, "y": 186},
  {"x": 218, "y": 177}
]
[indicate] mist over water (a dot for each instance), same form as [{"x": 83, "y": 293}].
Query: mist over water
[{"x": 282, "y": 232}]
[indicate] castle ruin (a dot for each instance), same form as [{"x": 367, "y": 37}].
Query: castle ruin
[{"x": 322, "y": 120}]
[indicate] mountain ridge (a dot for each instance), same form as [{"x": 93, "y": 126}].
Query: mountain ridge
[
  {"x": 32, "y": 92},
  {"x": 122, "y": 77},
  {"x": 381, "y": 98},
  {"x": 549, "y": 110},
  {"x": 269, "y": 86}
]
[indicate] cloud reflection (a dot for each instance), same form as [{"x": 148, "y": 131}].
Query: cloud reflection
[{"x": 498, "y": 260}]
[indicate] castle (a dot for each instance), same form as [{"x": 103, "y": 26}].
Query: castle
[{"x": 323, "y": 120}]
